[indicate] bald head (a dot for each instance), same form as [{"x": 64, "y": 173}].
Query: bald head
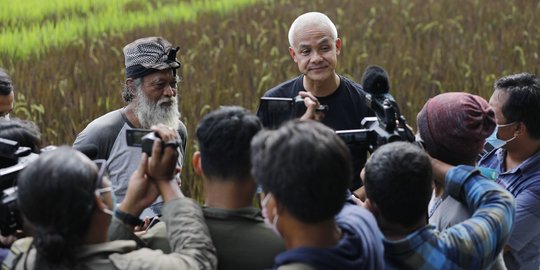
[{"x": 311, "y": 19}]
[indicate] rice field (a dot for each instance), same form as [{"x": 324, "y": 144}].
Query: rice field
[{"x": 232, "y": 53}]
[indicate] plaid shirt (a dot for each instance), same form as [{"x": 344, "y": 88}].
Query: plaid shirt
[{"x": 471, "y": 244}]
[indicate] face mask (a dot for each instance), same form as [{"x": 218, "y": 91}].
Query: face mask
[
  {"x": 270, "y": 224},
  {"x": 495, "y": 141},
  {"x": 488, "y": 172}
]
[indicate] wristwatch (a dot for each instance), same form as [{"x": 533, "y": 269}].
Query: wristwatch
[{"x": 127, "y": 218}]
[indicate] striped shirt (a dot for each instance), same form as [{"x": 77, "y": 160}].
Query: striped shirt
[{"x": 523, "y": 182}]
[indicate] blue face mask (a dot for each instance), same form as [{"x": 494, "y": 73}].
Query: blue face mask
[
  {"x": 495, "y": 141},
  {"x": 490, "y": 173}
]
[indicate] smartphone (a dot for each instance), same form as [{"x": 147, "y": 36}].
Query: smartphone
[
  {"x": 134, "y": 136},
  {"x": 273, "y": 111}
]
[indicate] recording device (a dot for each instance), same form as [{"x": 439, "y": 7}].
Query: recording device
[
  {"x": 273, "y": 111},
  {"x": 143, "y": 138},
  {"x": 388, "y": 125},
  {"x": 13, "y": 159}
]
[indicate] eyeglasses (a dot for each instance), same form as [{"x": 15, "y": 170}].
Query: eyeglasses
[{"x": 103, "y": 171}]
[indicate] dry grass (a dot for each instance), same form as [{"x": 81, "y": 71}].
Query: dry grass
[{"x": 428, "y": 47}]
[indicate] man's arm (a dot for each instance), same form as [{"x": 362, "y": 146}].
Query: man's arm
[
  {"x": 476, "y": 242},
  {"x": 188, "y": 235}
]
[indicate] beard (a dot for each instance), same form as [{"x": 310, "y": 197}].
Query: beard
[{"x": 164, "y": 111}]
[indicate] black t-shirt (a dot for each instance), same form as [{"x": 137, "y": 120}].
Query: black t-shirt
[{"x": 346, "y": 109}]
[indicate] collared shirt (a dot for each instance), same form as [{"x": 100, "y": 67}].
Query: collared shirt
[
  {"x": 523, "y": 182},
  {"x": 472, "y": 244}
]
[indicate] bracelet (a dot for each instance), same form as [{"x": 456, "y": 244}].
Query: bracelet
[{"x": 128, "y": 218}]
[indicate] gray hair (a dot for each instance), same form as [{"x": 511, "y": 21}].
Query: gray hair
[
  {"x": 311, "y": 18},
  {"x": 127, "y": 93}
]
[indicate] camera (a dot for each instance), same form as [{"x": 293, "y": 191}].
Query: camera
[
  {"x": 273, "y": 111},
  {"x": 143, "y": 138},
  {"x": 388, "y": 124},
  {"x": 13, "y": 159}
]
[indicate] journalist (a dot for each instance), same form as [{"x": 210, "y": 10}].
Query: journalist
[{"x": 68, "y": 200}]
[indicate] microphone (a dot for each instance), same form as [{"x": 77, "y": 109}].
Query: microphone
[
  {"x": 375, "y": 81},
  {"x": 89, "y": 150},
  {"x": 377, "y": 86}
]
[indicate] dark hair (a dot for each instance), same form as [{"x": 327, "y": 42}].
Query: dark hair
[
  {"x": 224, "y": 137},
  {"x": 26, "y": 133},
  {"x": 523, "y": 103},
  {"x": 306, "y": 167},
  {"x": 6, "y": 86},
  {"x": 398, "y": 179},
  {"x": 56, "y": 195}
]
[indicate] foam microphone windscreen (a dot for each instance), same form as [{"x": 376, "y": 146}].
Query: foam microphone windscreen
[{"x": 375, "y": 80}]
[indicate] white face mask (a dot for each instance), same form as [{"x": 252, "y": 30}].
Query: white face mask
[
  {"x": 103, "y": 173},
  {"x": 100, "y": 191},
  {"x": 271, "y": 224},
  {"x": 494, "y": 140}
]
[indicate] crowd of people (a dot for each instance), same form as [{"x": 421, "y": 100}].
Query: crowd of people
[{"x": 464, "y": 195}]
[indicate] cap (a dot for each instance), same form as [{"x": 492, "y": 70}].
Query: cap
[
  {"x": 148, "y": 55},
  {"x": 455, "y": 125}
]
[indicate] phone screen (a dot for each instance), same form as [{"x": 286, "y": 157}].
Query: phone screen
[
  {"x": 274, "y": 111},
  {"x": 134, "y": 136}
]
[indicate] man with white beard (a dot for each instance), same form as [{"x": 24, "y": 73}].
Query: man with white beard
[{"x": 150, "y": 91}]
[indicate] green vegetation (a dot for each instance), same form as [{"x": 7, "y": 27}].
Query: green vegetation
[
  {"x": 29, "y": 28},
  {"x": 427, "y": 47}
]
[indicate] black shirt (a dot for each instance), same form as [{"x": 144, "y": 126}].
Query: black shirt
[{"x": 346, "y": 109}]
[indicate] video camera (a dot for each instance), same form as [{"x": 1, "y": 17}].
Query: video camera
[
  {"x": 143, "y": 138},
  {"x": 388, "y": 124},
  {"x": 13, "y": 159}
]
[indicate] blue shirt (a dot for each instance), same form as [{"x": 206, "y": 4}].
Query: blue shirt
[
  {"x": 523, "y": 182},
  {"x": 472, "y": 244},
  {"x": 360, "y": 246}
]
